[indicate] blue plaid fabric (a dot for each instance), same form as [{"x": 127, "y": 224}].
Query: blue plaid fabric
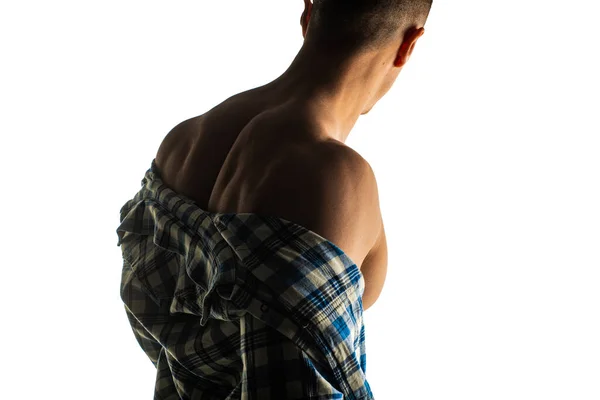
[{"x": 239, "y": 305}]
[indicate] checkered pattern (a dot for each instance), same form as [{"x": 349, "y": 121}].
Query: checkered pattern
[{"x": 239, "y": 305}]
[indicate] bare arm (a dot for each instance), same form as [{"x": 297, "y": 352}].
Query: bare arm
[
  {"x": 374, "y": 270},
  {"x": 336, "y": 196}
]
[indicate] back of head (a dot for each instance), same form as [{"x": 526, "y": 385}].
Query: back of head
[{"x": 353, "y": 26}]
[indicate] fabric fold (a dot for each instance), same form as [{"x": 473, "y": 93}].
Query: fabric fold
[{"x": 248, "y": 305}]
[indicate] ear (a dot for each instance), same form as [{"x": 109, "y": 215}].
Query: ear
[
  {"x": 407, "y": 46},
  {"x": 305, "y": 18}
]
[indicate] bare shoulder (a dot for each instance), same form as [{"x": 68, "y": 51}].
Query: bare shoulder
[
  {"x": 359, "y": 193},
  {"x": 331, "y": 190}
]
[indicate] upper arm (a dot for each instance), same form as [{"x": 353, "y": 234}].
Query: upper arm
[
  {"x": 334, "y": 195},
  {"x": 374, "y": 270},
  {"x": 369, "y": 229}
]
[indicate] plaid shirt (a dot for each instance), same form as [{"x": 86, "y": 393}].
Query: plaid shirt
[{"x": 239, "y": 305}]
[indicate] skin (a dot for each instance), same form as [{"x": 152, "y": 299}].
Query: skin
[
  {"x": 335, "y": 90},
  {"x": 224, "y": 159}
]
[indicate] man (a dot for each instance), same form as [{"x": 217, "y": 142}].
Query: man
[{"x": 257, "y": 239}]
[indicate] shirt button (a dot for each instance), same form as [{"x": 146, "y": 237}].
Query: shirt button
[{"x": 264, "y": 308}]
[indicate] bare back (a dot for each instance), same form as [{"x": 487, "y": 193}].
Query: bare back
[{"x": 245, "y": 156}]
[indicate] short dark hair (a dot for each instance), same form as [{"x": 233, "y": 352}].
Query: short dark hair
[{"x": 353, "y": 25}]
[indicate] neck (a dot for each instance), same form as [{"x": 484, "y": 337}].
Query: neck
[{"x": 334, "y": 91}]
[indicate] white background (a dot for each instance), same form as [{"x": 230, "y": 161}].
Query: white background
[{"x": 486, "y": 152}]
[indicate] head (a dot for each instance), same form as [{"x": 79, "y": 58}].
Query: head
[{"x": 384, "y": 30}]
